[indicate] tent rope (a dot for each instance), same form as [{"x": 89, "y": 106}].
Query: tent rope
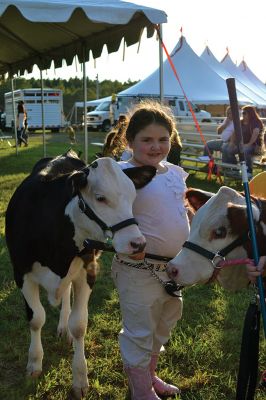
[{"x": 212, "y": 168}]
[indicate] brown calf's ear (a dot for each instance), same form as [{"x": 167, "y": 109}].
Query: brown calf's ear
[
  {"x": 140, "y": 176},
  {"x": 197, "y": 198},
  {"x": 77, "y": 181}
]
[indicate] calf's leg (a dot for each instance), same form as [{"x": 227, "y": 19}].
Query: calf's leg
[
  {"x": 36, "y": 317},
  {"x": 78, "y": 321},
  {"x": 62, "y": 328}
]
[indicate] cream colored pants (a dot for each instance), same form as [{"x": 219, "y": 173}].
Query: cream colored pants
[{"x": 148, "y": 313}]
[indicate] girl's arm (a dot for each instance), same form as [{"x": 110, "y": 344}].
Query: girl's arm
[
  {"x": 222, "y": 127},
  {"x": 254, "y": 136}
]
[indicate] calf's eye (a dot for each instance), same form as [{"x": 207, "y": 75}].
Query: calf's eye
[
  {"x": 219, "y": 233},
  {"x": 100, "y": 198}
]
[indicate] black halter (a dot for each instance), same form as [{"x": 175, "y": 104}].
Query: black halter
[
  {"x": 108, "y": 230},
  {"x": 220, "y": 254}
]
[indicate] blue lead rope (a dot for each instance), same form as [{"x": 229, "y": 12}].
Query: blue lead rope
[{"x": 235, "y": 114}]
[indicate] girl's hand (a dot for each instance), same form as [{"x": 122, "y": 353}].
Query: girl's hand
[{"x": 255, "y": 271}]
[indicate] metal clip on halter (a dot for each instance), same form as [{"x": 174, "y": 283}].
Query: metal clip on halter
[
  {"x": 108, "y": 234},
  {"x": 217, "y": 256}
]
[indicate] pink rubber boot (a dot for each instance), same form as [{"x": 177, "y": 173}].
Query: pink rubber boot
[
  {"x": 140, "y": 384},
  {"x": 161, "y": 388}
]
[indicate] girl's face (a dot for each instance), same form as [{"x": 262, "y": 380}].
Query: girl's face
[
  {"x": 151, "y": 145},
  {"x": 245, "y": 115}
]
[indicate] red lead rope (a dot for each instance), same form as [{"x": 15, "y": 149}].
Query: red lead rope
[{"x": 211, "y": 163}]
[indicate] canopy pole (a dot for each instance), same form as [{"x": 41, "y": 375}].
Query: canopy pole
[
  {"x": 14, "y": 115},
  {"x": 42, "y": 108},
  {"x": 161, "y": 63},
  {"x": 85, "y": 105},
  {"x": 239, "y": 141}
]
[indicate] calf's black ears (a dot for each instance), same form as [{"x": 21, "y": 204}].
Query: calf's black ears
[
  {"x": 140, "y": 176},
  {"x": 77, "y": 181}
]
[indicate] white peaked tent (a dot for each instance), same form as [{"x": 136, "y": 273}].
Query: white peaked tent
[
  {"x": 201, "y": 84},
  {"x": 214, "y": 64},
  {"x": 251, "y": 76},
  {"x": 228, "y": 64}
]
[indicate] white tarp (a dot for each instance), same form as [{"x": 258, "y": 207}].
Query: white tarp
[
  {"x": 212, "y": 62},
  {"x": 251, "y": 76},
  {"x": 37, "y": 32},
  {"x": 201, "y": 84},
  {"x": 228, "y": 64}
]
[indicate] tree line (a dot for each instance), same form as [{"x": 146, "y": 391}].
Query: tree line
[{"x": 72, "y": 89}]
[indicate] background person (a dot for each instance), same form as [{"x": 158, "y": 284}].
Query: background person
[
  {"x": 114, "y": 143},
  {"x": 252, "y": 132},
  {"x": 21, "y": 117},
  {"x": 148, "y": 311},
  {"x": 112, "y": 110},
  {"x": 174, "y": 155},
  {"x": 226, "y": 130}
]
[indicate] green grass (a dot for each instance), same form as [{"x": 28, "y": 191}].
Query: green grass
[{"x": 202, "y": 356}]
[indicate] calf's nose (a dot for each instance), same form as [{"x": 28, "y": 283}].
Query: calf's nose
[
  {"x": 138, "y": 245},
  {"x": 172, "y": 270}
]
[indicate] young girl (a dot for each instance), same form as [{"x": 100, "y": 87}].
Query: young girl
[{"x": 148, "y": 311}]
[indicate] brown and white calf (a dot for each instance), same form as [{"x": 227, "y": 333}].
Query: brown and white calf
[
  {"x": 220, "y": 220},
  {"x": 59, "y": 205}
]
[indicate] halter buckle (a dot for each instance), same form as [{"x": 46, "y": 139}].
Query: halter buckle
[
  {"x": 108, "y": 234},
  {"x": 217, "y": 256}
]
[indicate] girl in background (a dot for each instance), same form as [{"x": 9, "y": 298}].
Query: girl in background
[{"x": 252, "y": 132}]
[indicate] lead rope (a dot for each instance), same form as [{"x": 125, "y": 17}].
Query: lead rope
[{"x": 249, "y": 353}]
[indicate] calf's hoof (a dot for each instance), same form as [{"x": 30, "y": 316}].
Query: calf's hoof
[
  {"x": 33, "y": 374},
  {"x": 78, "y": 393}
]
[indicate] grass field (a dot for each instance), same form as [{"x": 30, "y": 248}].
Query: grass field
[{"x": 201, "y": 358}]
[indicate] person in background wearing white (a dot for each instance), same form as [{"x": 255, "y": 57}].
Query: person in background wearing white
[
  {"x": 149, "y": 313},
  {"x": 226, "y": 130},
  {"x": 21, "y": 118}
]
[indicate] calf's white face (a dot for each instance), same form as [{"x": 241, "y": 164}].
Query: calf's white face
[
  {"x": 212, "y": 229},
  {"x": 110, "y": 194}
]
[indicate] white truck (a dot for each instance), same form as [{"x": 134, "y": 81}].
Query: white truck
[
  {"x": 100, "y": 117},
  {"x": 182, "y": 112},
  {"x": 53, "y": 108}
]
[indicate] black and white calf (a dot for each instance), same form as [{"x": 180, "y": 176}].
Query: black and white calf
[{"x": 59, "y": 205}]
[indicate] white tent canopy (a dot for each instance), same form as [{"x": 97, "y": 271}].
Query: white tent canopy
[
  {"x": 251, "y": 76},
  {"x": 201, "y": 84},
  {"x": 37, "y": 32},
  {"x": 216, "y": 66},
  {"x": 228, "y": 64}
]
